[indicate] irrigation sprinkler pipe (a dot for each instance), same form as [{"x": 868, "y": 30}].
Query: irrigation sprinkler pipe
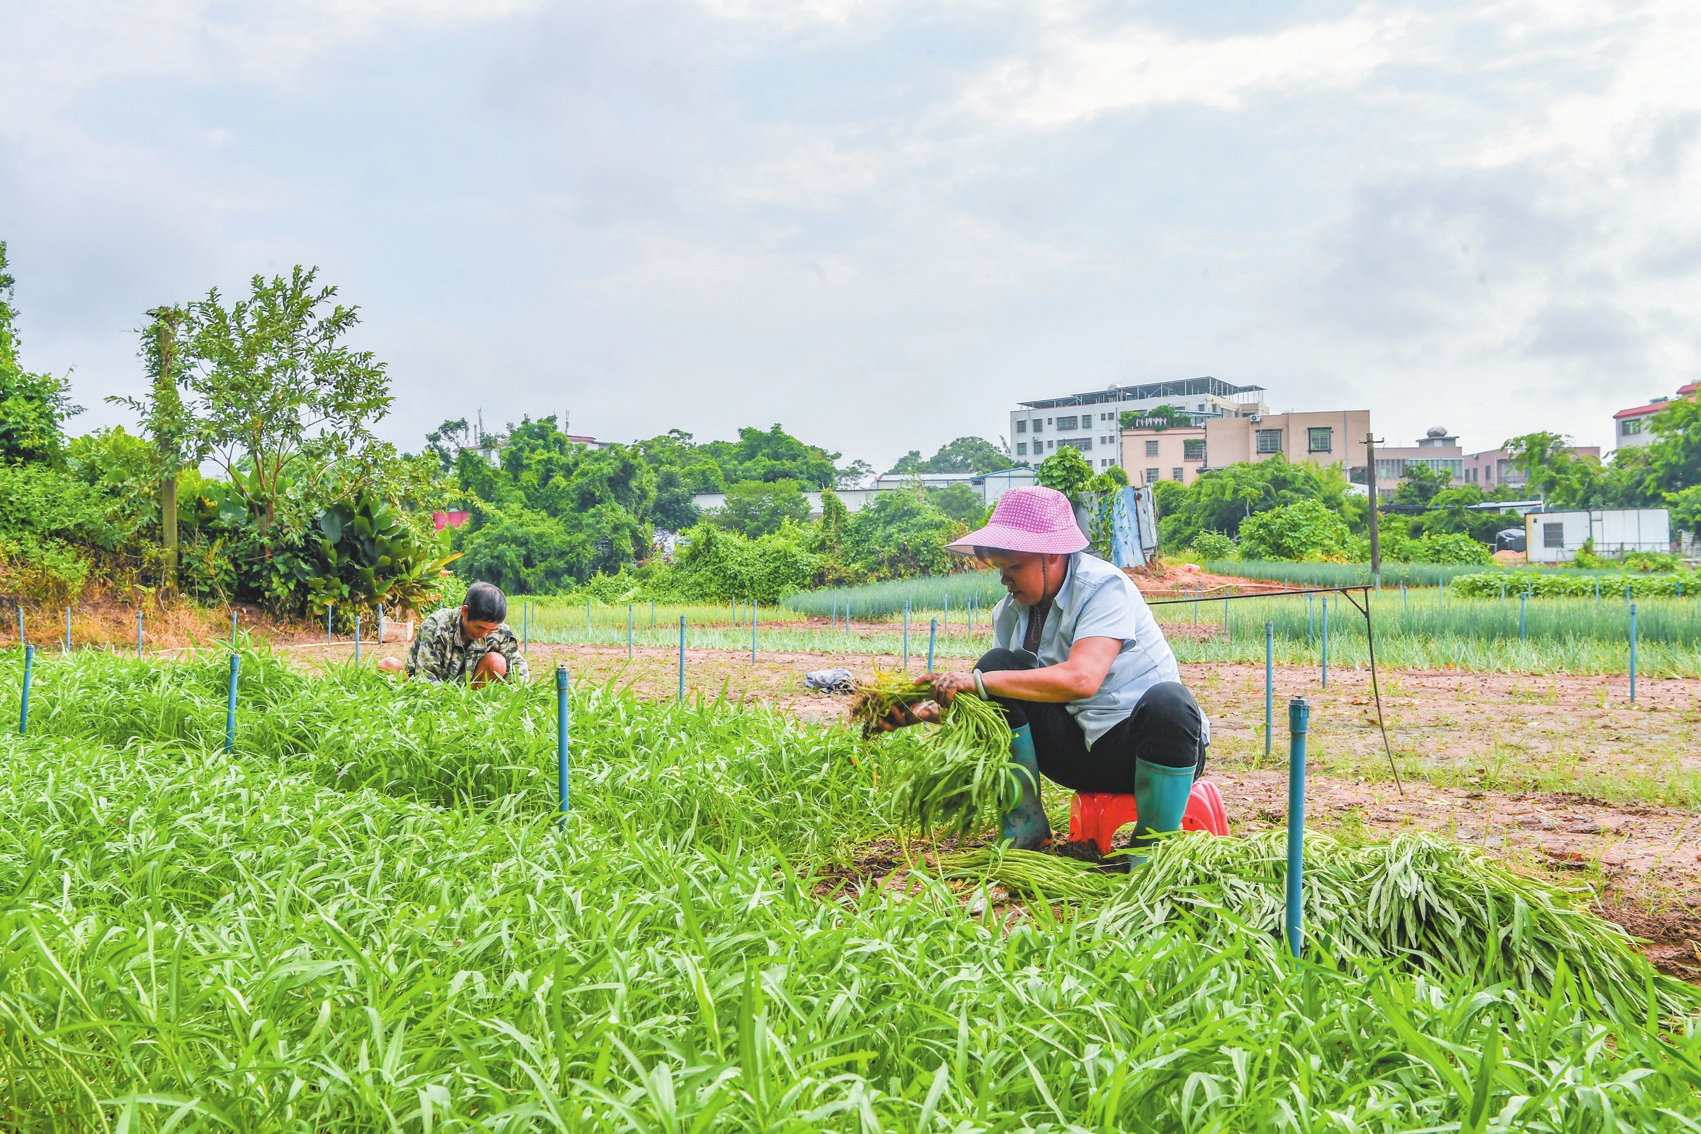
[
  {"x": 932, "y": 634},
  {"x": 752, "y": 631},
  {"x": 230, "y": 706},
  {"x": 561, "y": 737},
  {"x": 1523, "y": 611},
  {"x": 1632, "y": 653},
  {"x": 1325, "y": 654},
  {"x": 21, "y": 639},
  {"x": 1269, "y": 684},
  {"x": 24, "y": 699},
  {"x": 682, "y": 659},
  {"x": 233, "y": 629},
  {"x": 138, "y": 633},
  {"x": 906, "y": 635},
  {"x": 628, "y": 631},
  {"x": 67, "y": 629},
  {"x": 1299, "y": 722}
]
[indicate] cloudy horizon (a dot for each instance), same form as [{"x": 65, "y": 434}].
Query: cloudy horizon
[{"x": 880, "y": 224}]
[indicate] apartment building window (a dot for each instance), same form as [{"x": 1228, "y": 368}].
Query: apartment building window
[
  {"x": 1320, "y": 440},
  {"x": 1630, "y": 426},
  {"x": 1039, "y": 426},
  {"x": 1151, "y": 476},
  {"x": 1151, "y": 448},
  {"x": 1085, "y": 444},
  {"x": 1021, "y": 448},
  {"x": 1193, "y": 449},
  {"x": 1175, "y": 474},
  {"x": 1269, "y": 441},
  {"x": 1051, "y": 444},
  {"x": 1066, "y": 423},
  {"x": 1021, "y": 425}
]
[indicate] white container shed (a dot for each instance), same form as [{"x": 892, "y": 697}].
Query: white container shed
[{"x": 1557, "y": 537}]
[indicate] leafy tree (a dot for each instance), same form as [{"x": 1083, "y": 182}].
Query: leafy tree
[
  {"x": 898, "y": 535},
  {"x": 165, "y": 422},
  {"x": 968, "y": 454},
  {"x": 960, "y": 502},
  {"x": 1555, "y": 473},
  {"x": 1305, "y": 529},
  {"x": 774, "y": 455},
  {"x": 33, "y": 407},
  {"x": 910, "y": 462},
  {"x": 674, "y": 509},
  {"x": 447, "y": 441},
  {"x": 1221, "y": 499},
  {"x": 1673, "y": 462},
  {"x": 1065, "y": 470},
  {"x": 717, "y": 565},
  {"x": 854, "y": 475},
  {"x": 273, "y": 390},
  {"x": 1420, "y": 485},
  {"x": 756, "y": 508}
]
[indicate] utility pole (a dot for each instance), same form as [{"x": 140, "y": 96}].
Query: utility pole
[{"x": 1370, "y": 480}]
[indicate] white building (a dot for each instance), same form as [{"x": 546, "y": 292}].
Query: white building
[
  {"x": 1630, "y": 426},
  {"x": 989, "y": 486},
  {"x": 1556, "y": 537},
  {"x": 1092, "y": 422}
]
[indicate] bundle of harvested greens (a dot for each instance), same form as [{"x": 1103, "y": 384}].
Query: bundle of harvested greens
[
  {"x": 962, "y": 777},
  {"x": 1418, "y": 901}
]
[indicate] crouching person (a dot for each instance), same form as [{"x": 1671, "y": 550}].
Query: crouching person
[{"x": 470, "y": 643}]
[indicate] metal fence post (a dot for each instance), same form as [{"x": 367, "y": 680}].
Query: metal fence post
[
  {"x": 1632, "y": 653},
  {"x": 1325, "y": 642},
  {"x": 682, "y": 659},
  {"x": 752, "y": 631},
  {"x": 138, "y": 633},
  {"x": 1269, "y": 684},
  {"x": 628, "y": 631},
  {"x": 1299, "y": 722},
  {"x": 1523, "y": 611},
  {"x": 230, "y": 706},
  {"x": 906, "y": 635},
  {"x": 24, "y": 699},
  {"x": 932, "y": 634},
  {"x": 233, "y": 629},
  {"x": 561, "y": 737}
]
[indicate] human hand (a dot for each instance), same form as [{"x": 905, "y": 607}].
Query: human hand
[{"x": 948, "y": 685}]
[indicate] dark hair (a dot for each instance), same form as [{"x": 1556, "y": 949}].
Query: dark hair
[{"x": 486, "y": 603}]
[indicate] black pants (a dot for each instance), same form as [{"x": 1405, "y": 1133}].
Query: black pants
[{"x": 1165, "y": 728}]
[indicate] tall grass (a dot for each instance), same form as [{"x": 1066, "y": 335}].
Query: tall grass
[
  {"x": 368, "y": 919},
  {"x": 1341, "y": 574},
  {"x": 880, "y": 600}
]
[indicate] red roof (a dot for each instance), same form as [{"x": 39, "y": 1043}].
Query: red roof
[{"x": 1656, "y": 407}]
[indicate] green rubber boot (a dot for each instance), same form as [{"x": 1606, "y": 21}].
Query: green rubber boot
[
  {"x": 1160, "y": 794},
  {"x": 1026, "y": 827}
]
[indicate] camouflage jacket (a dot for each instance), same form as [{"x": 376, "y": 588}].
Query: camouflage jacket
[{"x": 438, "y": 654}]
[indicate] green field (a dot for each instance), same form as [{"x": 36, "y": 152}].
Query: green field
[
  {"x": 1414, "y": 629},
  {"x": 368, "y": 918}
]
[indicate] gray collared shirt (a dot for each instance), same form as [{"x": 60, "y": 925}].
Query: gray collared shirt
[{"x": 1096, "y": 600}]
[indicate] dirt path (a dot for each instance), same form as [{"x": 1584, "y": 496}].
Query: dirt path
[{"x": 1560, "y": 775}]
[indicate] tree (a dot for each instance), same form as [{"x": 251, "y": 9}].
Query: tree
[
  {"x": 899, "y": 534},
  {"x": 33, "y": 407},
  {"x": 909, "y": 463},
  {"x": 968, "y": 454},
  {"x": 1305, "y": 529},
  {"x": 1065, "y": 470},
  {"x": 1420, "y": 485},
  {"x": 854, "y": 475},
  {"x": 273, "y": 390},
  {"x": 774, "y": 455},
  {"x": 1219, "y": 500},
  {"x": 165, "y": 421},
  {"x": 674, "y": 509},
  {"x": 1673, "y": 461},
  {"x": 447, "y": 441},
  {"x": 754, "y": 508},
  {"x": 960, "y": 502},
  {"x": 1555, "y": 473}
]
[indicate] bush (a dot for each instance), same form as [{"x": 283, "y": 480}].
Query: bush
[
  {"x": 1568, "y": 585},
  {"x": 721, "y": 566},
  {"x": 1450, "y": 548},
  {"x": 1302, "y": 530},
  {"x": 1213, "y": 545}
]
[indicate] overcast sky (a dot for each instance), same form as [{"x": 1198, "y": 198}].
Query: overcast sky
[{"x": 881, "y": 224}]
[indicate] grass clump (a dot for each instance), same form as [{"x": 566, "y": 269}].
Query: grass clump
[{"x": 961, "y": 776}]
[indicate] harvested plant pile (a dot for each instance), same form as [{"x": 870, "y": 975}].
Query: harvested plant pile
[
  {"x": 960, "y": 778},
  {"x": 368, "y": 920},
  {"x": 1424, "y": 903}
]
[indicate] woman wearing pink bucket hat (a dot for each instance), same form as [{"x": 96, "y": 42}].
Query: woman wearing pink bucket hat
[{"x": 1089, "y": 685}]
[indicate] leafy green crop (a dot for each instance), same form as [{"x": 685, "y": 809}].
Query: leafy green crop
[{"x": 368, "y": 919}]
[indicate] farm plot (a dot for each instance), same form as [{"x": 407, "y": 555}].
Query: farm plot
[{"x": 368, "y": 918}]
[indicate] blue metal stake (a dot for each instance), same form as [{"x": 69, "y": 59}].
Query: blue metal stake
[
  {"x": 587, "y": 618},
  {"x": 906, "y": 635},
  {"x": 1632, "y": 653},
  {"x": 21, "y": 638},
  {"x": 230, "y": 706},
  {"x": 1299, "y": 722},
  {"x": 628, "y": 631},
  {"x": 752, "y": 631},
  {"x": 138, "y": 633},
  {"x": 1310, "y": 620},
  {"x": 1269, "y": 685},
  {"x": 682, "y": 659},
  {"x": 357, "y": 639},
  {"x": 932, "y": 634},
  {"x": 233, "y": 629},
  {"x": 24, "y": 701},
  {"x": 1404, "y": 597},
  {"x": 561, "y": 737},
  {"x": 1627, "y": 592},
  {"x": 652, "y": 614},
  {"x": 1325, "y": 605},
  {"x": 1523, "y": 611}
]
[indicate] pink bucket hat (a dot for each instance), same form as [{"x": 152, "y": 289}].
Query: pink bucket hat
[{"x": 1027, "y": 519}]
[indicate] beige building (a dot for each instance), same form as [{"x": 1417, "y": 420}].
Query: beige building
[
  {"x": 1151, "y": 455},
  {"x": 1330, "y": 437}
]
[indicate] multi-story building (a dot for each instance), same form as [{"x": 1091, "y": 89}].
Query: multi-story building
[
  {"x": 1630, "y": 426},
  {"x": 1092, "y": 422},
  {"x": 1327, "y": 437}
]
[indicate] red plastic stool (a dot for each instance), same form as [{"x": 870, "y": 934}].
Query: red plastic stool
[{"x": 1096, "y": 815}]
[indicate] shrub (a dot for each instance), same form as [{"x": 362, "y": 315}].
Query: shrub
[
  {"x": 1450, "y": 548},
  {"x": 1302, "y": 530},
  {"x": 1213, "y": 545}
]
